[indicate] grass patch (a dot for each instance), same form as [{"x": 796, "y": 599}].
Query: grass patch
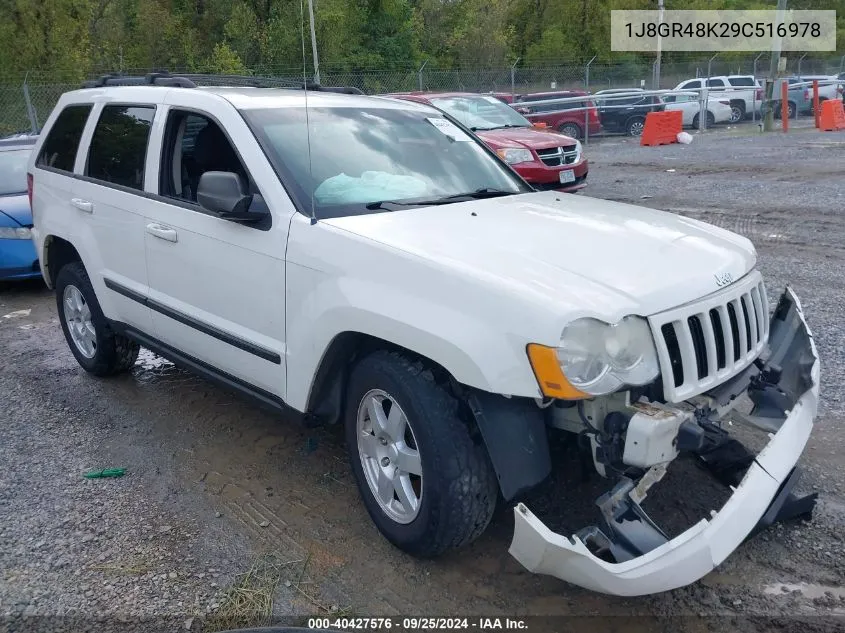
[{"x": 249, "y": 601}]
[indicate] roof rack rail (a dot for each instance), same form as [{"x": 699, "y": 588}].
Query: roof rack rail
[
  {"x": 150, "y": 79},
  {"x": 194, "y": 80}
]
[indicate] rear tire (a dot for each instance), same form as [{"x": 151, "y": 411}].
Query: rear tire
[
  {"x": 634, "y": 126},
  {"x": 737, "y": 111},
  {"x": 92, "y": 342},
  {"x": 398, "y": 417},
  {"x": 572, "y": 130}
]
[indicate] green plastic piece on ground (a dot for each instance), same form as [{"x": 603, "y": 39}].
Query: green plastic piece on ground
[{"x": 106, "y": 472}]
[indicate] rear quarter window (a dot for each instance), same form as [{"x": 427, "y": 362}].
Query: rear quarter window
[
  {"x": 742, "y": 82},
  {"x": 119, "y": 146},
  {"x": 62, "y": 142}
]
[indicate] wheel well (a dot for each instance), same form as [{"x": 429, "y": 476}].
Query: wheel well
[
  {"x": 57, "y": 253},
  {"x": 738, "y": 102},
  {"x": 328, "y": 390}
]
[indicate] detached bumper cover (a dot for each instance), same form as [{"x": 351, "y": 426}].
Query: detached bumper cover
[{"x": 701, "y": 548}]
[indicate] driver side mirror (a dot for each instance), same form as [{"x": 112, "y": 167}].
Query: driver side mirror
[{"x": 223, "y": 193}]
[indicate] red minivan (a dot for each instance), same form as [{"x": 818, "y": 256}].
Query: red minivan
[
  {"x": 561, "y": 116},
  {"x": 545, "y": 158}
]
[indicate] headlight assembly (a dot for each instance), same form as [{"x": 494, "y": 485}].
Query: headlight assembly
[
  {"x": 514, "y": 155},
  {"x": 595, "y": 358},
  {"x": 10, "y": 233}
]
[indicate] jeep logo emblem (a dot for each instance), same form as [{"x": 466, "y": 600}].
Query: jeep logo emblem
[{"x": 724, "y": 279}]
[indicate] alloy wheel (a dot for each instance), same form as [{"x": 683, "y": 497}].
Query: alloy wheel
[
  {"x": 79, "y": 323},
  {"x": 389, "y": 456}
]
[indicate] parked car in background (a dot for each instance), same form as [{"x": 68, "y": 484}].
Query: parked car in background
[
  {"x": 718, "y": 110},
  {"x": 546, "y": 159},
  {"x": 799, "y": 99},
  {"x": 625, "y": 109},
  {"x": 505, "y": 97},
  {"x": 570, "y": 118},
  {"x": 18, "y": 259},
  {"x": 827, "y": 90},
  {"x": 743, "y": 92}
]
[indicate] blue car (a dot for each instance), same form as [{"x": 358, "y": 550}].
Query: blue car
[{"x": 18, "y": 259}]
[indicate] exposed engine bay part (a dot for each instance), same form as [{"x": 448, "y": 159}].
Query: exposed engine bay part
[{"x": 629, "y": 554}]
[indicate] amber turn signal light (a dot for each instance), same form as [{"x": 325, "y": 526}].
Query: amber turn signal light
[{"x": 549, "y": 375}]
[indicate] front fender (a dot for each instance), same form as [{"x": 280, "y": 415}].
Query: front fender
[{"x": 473, "y": 350}]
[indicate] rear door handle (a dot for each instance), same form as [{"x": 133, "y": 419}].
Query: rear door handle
[
  {"x": 82, "y": 205},
  {"x": 162, "y": 232}
]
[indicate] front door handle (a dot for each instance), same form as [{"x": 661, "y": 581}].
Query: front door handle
[
  {"x": 162, "y": 232},
  {"x": 82, "y": 205}
]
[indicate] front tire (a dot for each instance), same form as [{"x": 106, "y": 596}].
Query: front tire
[
  {"x": 572, "y": 130},
  {"x": 92, "y": 342},
  {"x": 424, "y": 477}
]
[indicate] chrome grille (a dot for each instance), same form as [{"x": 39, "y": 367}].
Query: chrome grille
[
  {"x": 557, "y": 156},
  {"x": 702, "y": 344}
]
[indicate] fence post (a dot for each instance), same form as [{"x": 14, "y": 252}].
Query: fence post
[
  {"x": 799, "y": 63},
  {"x": 702, "y": 107},
  {"x": 30, "y": 109},
  {"x": 709, "y": 62},
  {"x": 587, "y": 101},
  {"x": 754, "y": 101},
  {"x": 816, "y": 109},
  {"x": 513, "y": 79},
  {"x": 420, "y": 75}
]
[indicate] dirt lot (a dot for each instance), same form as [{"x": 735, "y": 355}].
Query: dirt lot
[{"x": 216, "y": 487}]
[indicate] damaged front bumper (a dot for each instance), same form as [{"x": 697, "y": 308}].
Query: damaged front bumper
[{"x": 786, "y": 405}]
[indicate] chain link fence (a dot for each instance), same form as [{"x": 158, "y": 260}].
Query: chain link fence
[{"x": 26, "y": 102}]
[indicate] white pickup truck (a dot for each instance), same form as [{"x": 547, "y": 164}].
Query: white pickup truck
[
  {"x": 369, "y": 262},
  {"x": 743, "y": 92}
]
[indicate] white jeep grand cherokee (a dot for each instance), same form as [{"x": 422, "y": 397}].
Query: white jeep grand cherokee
[{"x": 369, "y": 262}]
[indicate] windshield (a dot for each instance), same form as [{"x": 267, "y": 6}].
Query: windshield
[
  {"x": 365, "y": 156},
  {"x": 480, "y": 113},
  {"x": 13, "y": 171}
]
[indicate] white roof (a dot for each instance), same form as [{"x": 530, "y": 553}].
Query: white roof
[{"x": 242, "y": 97}]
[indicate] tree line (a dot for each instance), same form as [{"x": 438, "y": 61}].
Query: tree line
[{"x": 75, "y": 38}]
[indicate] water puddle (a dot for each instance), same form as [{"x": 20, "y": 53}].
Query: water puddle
[
  {"x": 150, "y": 368},
  {"x": 808, "y": 590}
]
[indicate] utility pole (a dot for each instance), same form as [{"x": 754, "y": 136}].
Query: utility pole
[
  {"x": 777, "y": 44},
  {"x": 314, "y": 42},
  {"x": 659, "y": 46}
]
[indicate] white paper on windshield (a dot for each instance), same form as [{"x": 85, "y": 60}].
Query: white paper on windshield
[{"x": 449, "y": 129}]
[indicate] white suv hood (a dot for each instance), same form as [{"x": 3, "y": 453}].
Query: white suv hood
[{"x": 598, "y": 257}]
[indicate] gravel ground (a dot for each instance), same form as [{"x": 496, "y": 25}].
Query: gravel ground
[{"x": 214, "y": 485}]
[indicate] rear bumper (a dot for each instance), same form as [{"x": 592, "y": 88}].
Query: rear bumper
[{"x": 689, "y": 556}]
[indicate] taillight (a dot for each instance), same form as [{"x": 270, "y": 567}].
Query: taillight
[
  {"x": 806, "y": 93},
  {"x": 759, "y": 94},
  {"x": 29, "y": 185}
]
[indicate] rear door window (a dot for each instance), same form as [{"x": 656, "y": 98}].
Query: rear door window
[
  {"x": 691, "y": 84},
  {"x": 119, "y": 146},
  {"x": 62, "y": 142},
  {"x": 715, "y": 83}
]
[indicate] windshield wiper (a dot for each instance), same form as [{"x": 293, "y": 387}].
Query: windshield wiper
[
  {"x": 478, "y": 194},
  {"x": 495, "y": 127}
]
